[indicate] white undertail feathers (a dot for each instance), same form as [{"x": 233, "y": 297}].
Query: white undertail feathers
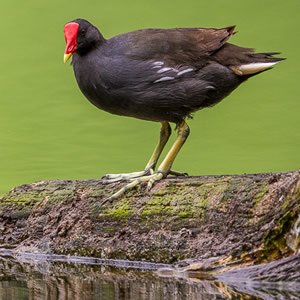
[{"x": 252, "y": 68}]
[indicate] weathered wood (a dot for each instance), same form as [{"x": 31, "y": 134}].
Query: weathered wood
[{"x": 240, "y": 220}]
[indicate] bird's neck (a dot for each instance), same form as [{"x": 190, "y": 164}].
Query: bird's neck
[{"x": 93, "y": 42}]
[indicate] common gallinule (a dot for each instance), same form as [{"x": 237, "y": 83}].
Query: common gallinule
[{"x": 161, "y": 75}]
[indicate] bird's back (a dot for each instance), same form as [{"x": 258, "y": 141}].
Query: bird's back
[{"x": 166, "y": 74}]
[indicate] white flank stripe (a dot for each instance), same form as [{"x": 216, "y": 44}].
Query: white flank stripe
[
  {"x": 164, "y": 79},
  {"x": 158, "y": 63},
  {"x": 252, "y": 68},
  {"x": 185, "y": 71},
  {"x": 164, "y": 70}
]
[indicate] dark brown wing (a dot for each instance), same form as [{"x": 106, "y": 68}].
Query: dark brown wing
[
  {"x": 176, "y": 46},
  {"x": 232, "y": 55}
]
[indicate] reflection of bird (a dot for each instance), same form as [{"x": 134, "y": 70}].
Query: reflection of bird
[{"x": 160, "y": 75}]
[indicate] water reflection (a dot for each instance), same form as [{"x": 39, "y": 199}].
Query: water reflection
[
  {"x": 79, "y": 282},
  {"x": 20, "y": 280}
]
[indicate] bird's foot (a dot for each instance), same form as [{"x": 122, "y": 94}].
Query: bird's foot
[
  {"x": 109, "y": 178},
  {"x": 126, "y": 176},
  {"x": 134, "y": 180},
  {"x": 149, "y": 179}
]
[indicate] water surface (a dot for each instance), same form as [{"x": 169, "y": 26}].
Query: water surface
[{"x": 60, "y": 280}]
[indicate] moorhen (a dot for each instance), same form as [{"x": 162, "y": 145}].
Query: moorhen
[{"x": 161, "y": 75}]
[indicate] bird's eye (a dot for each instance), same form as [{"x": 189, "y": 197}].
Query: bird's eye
[{"x": 82, "y": 31}]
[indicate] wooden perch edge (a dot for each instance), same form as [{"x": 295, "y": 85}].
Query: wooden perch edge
[{"x": 212, "y": 224}]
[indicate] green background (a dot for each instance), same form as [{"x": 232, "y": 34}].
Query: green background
[{"x": 49, "y": 131}]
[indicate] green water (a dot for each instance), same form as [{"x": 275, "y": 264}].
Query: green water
[{"x": 49, "y": 131}]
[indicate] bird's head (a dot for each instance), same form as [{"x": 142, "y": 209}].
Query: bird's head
[{"x": 81, "y": 36}]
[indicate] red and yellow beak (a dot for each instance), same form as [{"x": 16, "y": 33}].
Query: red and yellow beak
[{"x": 71, "y": 32}]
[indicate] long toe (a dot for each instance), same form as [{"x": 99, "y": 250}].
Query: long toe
[
  {"x": 156, "y": 177},
  {"x": 148, "y": 179},
  {"x": 176, "y": 173},
  {"x": 109, "y": 178}
]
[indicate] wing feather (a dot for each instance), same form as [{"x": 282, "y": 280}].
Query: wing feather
[{"x": 176, "y": 46}]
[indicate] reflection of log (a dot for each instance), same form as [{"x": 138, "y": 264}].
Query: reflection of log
[
  {"x": 39, "y": 279},
  {"x": 239, "y": 220},
  {"x": 64, "y": 281},
  {"x": 282, "y": 270}
]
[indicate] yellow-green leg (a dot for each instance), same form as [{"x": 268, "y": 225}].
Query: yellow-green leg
[
  {"x": 165, "y": 167},
  {"x": 165, "y": 133}
]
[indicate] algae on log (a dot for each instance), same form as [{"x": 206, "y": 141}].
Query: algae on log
[{"x": 247, "y": 219}]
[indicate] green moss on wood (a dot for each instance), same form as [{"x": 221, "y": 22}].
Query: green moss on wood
[
  {"x": 122, "y": 210},
  {"x": 275, "y": 244},
  {"x": 263, "y": 190}
]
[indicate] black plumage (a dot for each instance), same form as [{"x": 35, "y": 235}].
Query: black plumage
[
  {"x": 161, "y": 75},
  {"x": 119, "y": 75}
]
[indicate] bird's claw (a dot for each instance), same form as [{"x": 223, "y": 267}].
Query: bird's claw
[
  {"x": 175, "y": 173},
  {"x": 109, "y": 178},
  {"x": 150, "y": 179},
  {"x": 148, "y": 176},
  {"x": 156, "y": 177}
]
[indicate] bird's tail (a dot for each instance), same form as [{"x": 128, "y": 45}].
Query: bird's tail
[
  {"x": 259, "y": 62},
  {"x": 244, "y": 61}
]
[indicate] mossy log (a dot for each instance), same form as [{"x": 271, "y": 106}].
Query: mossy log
[{"x": 237, "y": 220}]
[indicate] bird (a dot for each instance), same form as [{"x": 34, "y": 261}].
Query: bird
[{"x": 159, "y": 75}]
